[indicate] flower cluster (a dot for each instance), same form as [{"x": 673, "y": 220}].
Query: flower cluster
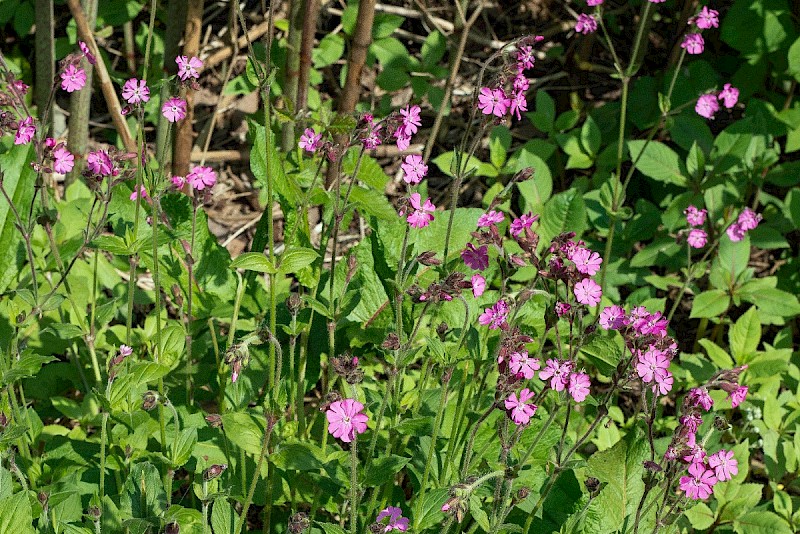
[
  {"x": 693, "y": 42},
  {"x": 55, "y": 158},
  {"x": 73, "y": 77},
  {"x": 697, "y": 237},
  {"x": 747, "y": 220},
  {"x": 499, "y": 100},
  {"x": 708, "y": 104}
]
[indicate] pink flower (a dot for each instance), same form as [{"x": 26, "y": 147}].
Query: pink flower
[
  {"x": 557, "y": 372},
  {"x": 521, "y": 83},
  {"x": 593, "y": 3},
  {"x": 72, "y": 78},
  {"x": 493, "y": 102},
  {"x": 476, "y": 258},
  {"x": 202, "y": 177},
  {"x": 612, "y": 318},
  {"x": 693, "y": 43},
  {"x": 345, "y": 419},
  {"x": 490, "y": 218},
  {"x": 522, "y": 364},
  {"x": 657, "y": 1},
  {"x": 651, "y": 364},
  {"x": 135, "y": 91},
  {"x": 694, "y": 216},
  {"x": 518, "y": 409},
  {"x": 646, "y": 323},
  {"x": 410, "y": 120},
  {"x": 700, "y": 397},
  {"x": 63, "y": 160},
  {"x": 697, "y": 238},
  {"x": 663, "y": 383},
  {"x": 495, "y": 317},
  {"x": 723, "y": 463},
  {"x": 748, "y": 219},
  {"x": 586, "y": 24},
  {"x": 729, "y": 95},
  {"x": 85, "y": 49},
  {"x": 737, "y": 396},
  {"x": 707, "y": 18},
  {"x": 478, "y": 285},
  {"x": 691, "y": 421},
  {"x": 178, "y": 182},
  {"x": 707, "y": 106},
  {"x": 373, "y": 138},
  {"x": 518, "y": 104},
  {"x": 525, "y": 57},
  {"x": 578, "y": 386},
  {"x": 694, "y": 451},
  {"x": 125, "y": 351},
  {"x": 586, "y": 261},
  {"x": 403, "y": 140},
  {"x": 588, "y": 292},
  {"x": 188, "y": 68},
  {"x": 698, "y": 485},
  {"x": 25, "y": 131},
  {"x": 414, "y": 169},
  {"x": 562, "y": 308},
  {"x": 396, "y": 519},
  {"x": 174, "y": 109},
  {"x": 99, "y": 162},
  {"x": 142, "y": 192},
  {"x": 735, "y": 232},
  {"x": 525, "y": 221},
  {"x": 310, "y": 140},
  {"x": 423, "y": 212}
]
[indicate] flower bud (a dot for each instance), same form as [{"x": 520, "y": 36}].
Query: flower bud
[
  {"x": 592, "y": 484},
  {"x": 214, "y": 420},
  {"x": 299, "y": 523},
  {"x": 172, "y": 528},
  {"x": 214, "y": 471},
  {"x": 149, "y": 400}
]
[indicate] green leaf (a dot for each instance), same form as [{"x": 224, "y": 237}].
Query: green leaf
[
  {"x": 696, "y": 161},
  {"x": 385, "y": 24},
  {"x": 18, "y": 179},
  {"x": 478, "y": 514},
  {"x": 372, "y": 202},
  {"x": 143, "y": 494},
  {"x": 756, "y": 28},
  {"x": 28, "y": 365},
  {"x": 760, "y": 522},
  {"x": 590, "y": 137},
  {"x": 15, "y": 514},
  {"x": 383, "y": 469},
  {"x": 775, "y": 302},
  {"x": 111, "y": 243},
  {"x": 173, "y": 341},
  {"x": 63, "y": 330},
  {"x": 717, "y": 354},
  {"x": 604, "y": 351},
  {"x": 499, "y": 145},
  {"x": 620, "y": 467},
  {"x": 710, "y": 303},
  {"x": 243, "y": 431},
  {"x": 700, "y": 516},
  {"x": 564, "y": 212},
  {"x": 745, "y": 335},
  {"x": 181, "y": 449},
  {"x": 223, "y": 517},
  {"x": 433, "y": 49},
  {"x": 545, "y": 112},
  {"x": 295, "y": 259},
  {"x": 537, "y": 189},
  {"x": 298, "y": 457},
  {"x": 657, "y": 161},
  {"x": 330, "y": 528},
  {"x": 254, "y": 261},
  {"x": 329, "y": 50},
  {"x": 265, "y": 161},
  {"x": 430, "y": 510}
]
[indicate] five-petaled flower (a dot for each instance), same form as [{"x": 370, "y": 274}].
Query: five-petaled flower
[
  {"x": 174, "y": 109},
  {"x": 414, "y": 169},
  {"x": 345, "y": 419},
  {"x": 201, "y": 177},
  {"x": 519, "y": 410},
  {"x": 693, "y": 43},
  {"x": 25, "y": 131},
  {"x": 396, "y": 519},
  {"x": 476, "y": 257},
  {"x": 72, "y": 78},
  {"x": 724, "y": 464},
  {"x": 586, "y": 24},
  {"x": 493, "y": 101},
  {"x": 588, "y": 292},
  {"x": 698, "y": 485},
  {"x": 495, "y": 317},
  {"x": 135, "y": 91},
  {"x": 310, "y": 140},
  {"x": 423, "y": 211},
  {"x": 188, "y": 67}
]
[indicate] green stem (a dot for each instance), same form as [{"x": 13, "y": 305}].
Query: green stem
[
  {"x": 354, "y": 485},
  {"x": 256, "y": 475},
  {"x": 436, "y": 425}
]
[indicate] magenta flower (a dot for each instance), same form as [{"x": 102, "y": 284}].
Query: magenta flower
[
  {"x": 557, "y": 372},
  {"x": 748, "y": 219},
  {"x": 125, "y": 351},
  {"x": 651, "y": 364},
  {"x": 699, "y": 482},
  {"x": 694, "y": 452},
  {"x": 578, "y": 387},
  {"x": 396, "y": 519},
  {"x": 411, "y": 121},
  {"x": 518, "y": 104},
  {"x": 663, "y": 383},
  {"x": 495, "y": 317},
  {"x": 99, "y": 162},
  {"x": 310, "y": 140},
  {"x": 522, "y": 364},
  {"x": 403, "y": 140},
  {"x": 493, "y": 101},
  {"x": 202, "y": 177},
  {"x": 593, "y": 3},
  {"x": 729, "y": 95},
  {"x": 478, "y": 285},
  {"x": 707, "y": 106},
  {"x": 373, "y": 138},
  {"x": 735, "y": 232},
  {"x": 691, "y": 421},
  {"x": 707, "y": 18},
  {"x": 518, "y": 408},
  {"x": 414, "y": 169},
  {"x": 697, "y": 238},
  {"x": 63, "y": 160},
  {"x": 178, "y": 182},
  {"x": 657, "y": 1},
  {"x": 423, "y": 212},
  {"x": 737, "y": 396},
  {"x": 723, "y": 463},
  {"x": 476, "y": 258},
  {"x": 490, "y": 218},
  {"x": 135, "y": 91},
  {"x": 562, "y": 308},
  {"x": 188, "y": 67},
  {"x": 25, "y": 131},
  {"x": 174, "y": 109},
  {"x": 521, "y": 83},
  {"x": 612, "y": 318},
  {"x": 525, "y": 57},
  {"x": 588, "y": 292},
  {"x": 72, "y": 78},
  {"x": 694, "y": 216},
  {"x": 87, "y": 54},
  {"x": 586, "y": 24},
  {"x": 700, "y": 397},
  {"x": 142, "y": 193},
  {"x": 693, "y": 43},
  {"x": 525, "y": 221},
  {"x": 586, "y": 261},
  {"x": 345, "y": 419}
]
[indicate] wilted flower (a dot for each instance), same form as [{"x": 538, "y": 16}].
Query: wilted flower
[{"x": 476, "y": 257}]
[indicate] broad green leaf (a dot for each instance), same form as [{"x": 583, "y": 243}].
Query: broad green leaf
[
  {"x": 590, "y": 136},
  {"x": 18, "y": 180},
  {"x": 745, "y": 335},
  {"x": 143, "y": 494},
  {"x": 717, "y": 354},
  {"x": 223, "y": 517},
  {"x": 761, "y": 522},
  {"x": 537, "y": 189},
  {"x": 63, "y": 330},
  {"x": 700, "y": 516},
  {"x": 657, "y": 161},
  {"x": 756, "y": 28},
  {"x": 564, "y": 212},
  {"x": 499, "y": 145},
  {"x": 544, "y": 114},
  {"x": 330, "y": 528},
  {"x": 478, "y": 514},
  {"x": 775, "y": 302},
  {"x": 429, "y": 512},
  {"x": 173, "y": 342},
  {"x": 383, "y": 469},
  {"x": 254, "y": 261},
  {"x": 243, "y": 431},
  {"x": 604, "y": 351},
  {"x": 710, "y": 303},
  {"x": 296, "y": 259},
  {"x": 15, "y": 514},
  {"x": 298, "y": 457},
  {"x": 433, "y": 48},
  {"x": 28, "y": 365},
  {"x": 181, "y": 449},
  {"x": 328, "y": 51},
  {"x": 266, "y": 164}
]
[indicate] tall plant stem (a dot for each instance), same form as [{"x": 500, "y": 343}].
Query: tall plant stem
[
  {"x": 354, "y": 485},
  {"x": 437, "y": 423},
  {"x": 292, "y": 71},
  {"x": 184, "y": 133},
  {"x": 256, "y": 474},
  {"x": 45, "y": 62}
]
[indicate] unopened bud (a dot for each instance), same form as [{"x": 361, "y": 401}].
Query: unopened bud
[
  {"x": 299, "y": 523},
  {"x": 214, "y": 471},
  {"x": 392, "y": 341},
  {"x": 428, "y": 258},
  {"x": 149, "y": 400},
  {"x": 592, "y": 484},
  {"x": 293, "y": 303},
  {"x": 172, "y": 528},
  {"x": 214, "y": 420}
]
